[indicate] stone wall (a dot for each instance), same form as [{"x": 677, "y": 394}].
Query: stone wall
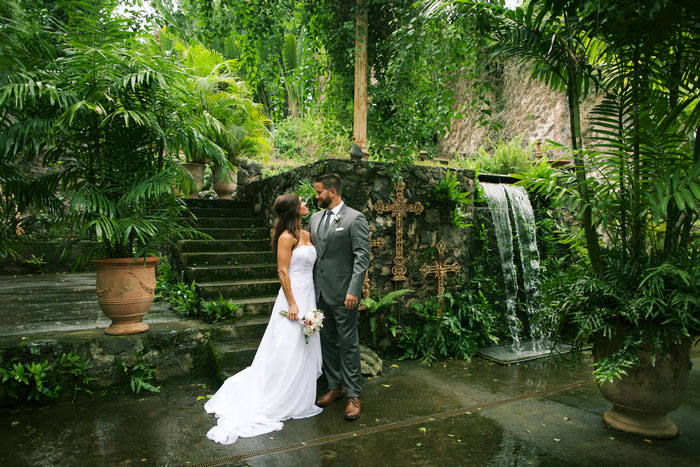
[
  {"x": 176, "y": 350},
  {"x": 522, "y": 105},
  {"x": 365, "y": 183}
]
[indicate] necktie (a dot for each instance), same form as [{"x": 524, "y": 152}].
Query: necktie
[{"x": 327, "y": 221}]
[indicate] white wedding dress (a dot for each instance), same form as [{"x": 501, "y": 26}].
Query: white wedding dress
[{"x": 281, "y": 382}]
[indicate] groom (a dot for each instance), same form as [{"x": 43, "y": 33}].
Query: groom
[{"x": 341, "y": 237}]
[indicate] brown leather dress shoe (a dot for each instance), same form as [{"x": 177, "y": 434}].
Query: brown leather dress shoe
[
  {"x": 352, "y": 410},
  {"x": 330, "y": 396}
]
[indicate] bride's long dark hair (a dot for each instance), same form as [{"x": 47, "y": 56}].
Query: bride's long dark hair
[{"x": 287, "y": 209}]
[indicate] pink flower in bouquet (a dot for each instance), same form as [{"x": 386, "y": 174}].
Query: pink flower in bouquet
[{"x": 311, "y": 323}]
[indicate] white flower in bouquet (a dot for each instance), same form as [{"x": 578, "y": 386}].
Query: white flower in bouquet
[{"x": 311, "y": 323}]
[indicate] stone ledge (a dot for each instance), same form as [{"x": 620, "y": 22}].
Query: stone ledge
[{"x": 173, "y": 349}]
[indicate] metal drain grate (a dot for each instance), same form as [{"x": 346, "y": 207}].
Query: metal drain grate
[{"x": 389, "y": 426}]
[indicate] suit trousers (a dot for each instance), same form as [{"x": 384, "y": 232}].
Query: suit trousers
[{"x": 340, "y": 346}]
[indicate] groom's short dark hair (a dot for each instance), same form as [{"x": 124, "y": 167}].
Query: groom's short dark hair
[{"x": 331, "y": 181}]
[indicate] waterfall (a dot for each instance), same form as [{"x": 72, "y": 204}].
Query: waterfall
[
  {"x": 498, "y": 205},
  {"x": 497, "y": 197}
]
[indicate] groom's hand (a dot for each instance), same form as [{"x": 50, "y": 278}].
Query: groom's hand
[{"x": 350, "y": 302}]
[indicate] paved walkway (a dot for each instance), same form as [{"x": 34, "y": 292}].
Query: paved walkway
[{"x": 451, "y": 414}]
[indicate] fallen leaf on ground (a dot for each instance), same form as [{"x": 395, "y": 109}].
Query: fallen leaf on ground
[
  {"x": 647, "y": 440},
  {"x": 611, "y": 437},
  {"x": 567, "y": 418},
  {"x": 394, "y": 366},
  {"x": 199, "y": 398},
  {"x": 14, "y": 423},
  {"x": 377, "y": 420},
  {"x": 418, "y": 444},
  {"x": 557, "y": 439},
  {"x": 527, "y": 431},
  {"x": 468, "y": 412},
  {"x": 386, "y": 385},
  {"x": 422, "y": 429},
  {"x": 451, "y": 436}
]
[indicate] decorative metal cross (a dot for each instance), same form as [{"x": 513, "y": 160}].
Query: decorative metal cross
[
  {"x": 373, "y": 243},
  {"x": 440, "y": 269},
  {"x": 399, "y": 209}
]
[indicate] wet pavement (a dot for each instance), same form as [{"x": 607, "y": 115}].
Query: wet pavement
[
  {"x": 58, "y": 302},
  {"x": 451, "y": 414}
]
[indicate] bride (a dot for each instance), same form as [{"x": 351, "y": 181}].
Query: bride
[{"x": 281, "y": 382}]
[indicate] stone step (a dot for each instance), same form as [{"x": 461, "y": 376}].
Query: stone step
[
  {"x": 247, "y": 327},
  {"x": 203, "y": 246},
  {"x": 232, "y": 357},
  {"x": 227, "y": 257},
  {"x": 216, "y": 203},
  {"x": 256, "y": 306},
  {"x": 230, "y": 272},
  {"x": 203, "y": 212},
  {"x": 228, "y": 223},
  {"x": 250, "y": 233},
  {"x": 239, "y": 290}
]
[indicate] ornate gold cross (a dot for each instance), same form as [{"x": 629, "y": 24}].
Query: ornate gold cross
[
  {"x": 399, "y": 209},
  {"x": 379, "y": 242},
  {"x": 440, "y": 269}
]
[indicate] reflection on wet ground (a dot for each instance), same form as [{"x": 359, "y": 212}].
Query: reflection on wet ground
[{"x": 451, "y": 414}]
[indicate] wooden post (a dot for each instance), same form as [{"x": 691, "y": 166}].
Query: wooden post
[{"x": 360, "y": 107}]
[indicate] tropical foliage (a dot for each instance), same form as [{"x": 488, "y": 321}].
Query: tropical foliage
[
  {"x": 455, "y": 326},
  {"x": 636, "y": 178},
  {"x": 252, "y": 33},
  {"x": 221, "y": 105},
  {"x": 415, "y": 60},
  {"x": 107, "y": 110}
]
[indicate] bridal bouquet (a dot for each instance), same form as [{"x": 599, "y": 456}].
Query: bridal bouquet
[{"x": 311, "y": 323}]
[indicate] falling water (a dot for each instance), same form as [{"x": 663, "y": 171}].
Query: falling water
[
  {"x": 497, "y": 197},
  {"x": 529, "y": 257},
  {"x": 498, "y": 205}
]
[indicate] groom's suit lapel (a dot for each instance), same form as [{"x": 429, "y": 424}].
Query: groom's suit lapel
[{"x": 326, "y": 240}]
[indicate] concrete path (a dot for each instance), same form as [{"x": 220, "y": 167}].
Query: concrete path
[
  {"x": 43, "y": 303},
  {"x": 451, "y": 414}
]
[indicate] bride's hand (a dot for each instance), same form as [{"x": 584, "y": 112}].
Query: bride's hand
[{"x": 293, "y": 312}]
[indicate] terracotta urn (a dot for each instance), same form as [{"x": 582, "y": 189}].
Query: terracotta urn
[
  {"x": 125, "y": 291},
  {"x": 197, "y": 172},
  {"x": 224, "y": 182},
  {"x": 642, "y": 399}
]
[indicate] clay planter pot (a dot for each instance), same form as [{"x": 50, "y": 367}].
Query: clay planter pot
[
  {"x": 224, "y": 186},
  {"x": 125, "y": 290},
  {"x": 643, "y": 398},
  {"x": 197, "y": 172}
]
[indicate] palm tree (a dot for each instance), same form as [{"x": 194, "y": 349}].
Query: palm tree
[{"x": 107, "y": 108}]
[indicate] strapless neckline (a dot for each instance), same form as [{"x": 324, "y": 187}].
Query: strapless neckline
[{"x": 302, "y": 246}]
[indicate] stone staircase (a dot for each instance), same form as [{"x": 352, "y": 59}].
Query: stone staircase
[{"x": 237, "y": 265}]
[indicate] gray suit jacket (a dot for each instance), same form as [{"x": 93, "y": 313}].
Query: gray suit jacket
[{"x": 343, "y": 257}]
